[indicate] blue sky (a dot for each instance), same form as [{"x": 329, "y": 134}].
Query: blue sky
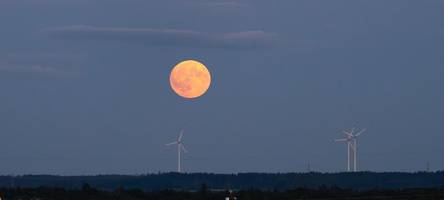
[{"x": 84, "y": 85}]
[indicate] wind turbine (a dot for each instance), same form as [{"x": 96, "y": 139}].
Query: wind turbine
[
  {"x": 350, "y": 138},
  {"x": 180, "y": 147}
]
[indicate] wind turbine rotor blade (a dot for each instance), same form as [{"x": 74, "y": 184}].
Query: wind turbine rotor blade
[
  {"x": 341, "y": 140},
  {"x": 360, "y": 132},
  {"x": 180, "y": 135},
  {"x": 183, "y": 148},
  {"x": 352, "y": 130},
  {"x": 169, "y": 144},
  {"x": 347, "y": 133}
]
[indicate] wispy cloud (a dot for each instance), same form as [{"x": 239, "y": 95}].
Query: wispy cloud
[
  {"x": 27, "y": 68},
  {"x": 31, "y": 71},
  {"x": 167, "y": 37},
  {"x": 221, "y": 4},
  {"x": 34, "y": 65}
]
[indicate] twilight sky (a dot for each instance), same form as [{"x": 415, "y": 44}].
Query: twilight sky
[{"x": 85, "y": 85}]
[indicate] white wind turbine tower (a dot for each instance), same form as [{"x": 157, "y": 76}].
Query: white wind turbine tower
[
  {"x": 180, "y": 147},
  {"x": 351, "y": 147}
]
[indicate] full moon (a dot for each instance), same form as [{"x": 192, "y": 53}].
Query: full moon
[{"x": 190, "y": 79}]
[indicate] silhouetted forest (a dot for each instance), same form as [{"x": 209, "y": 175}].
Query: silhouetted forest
[
  {"x": 87, "y": 192},
  {"x": 241, "y": 181}
]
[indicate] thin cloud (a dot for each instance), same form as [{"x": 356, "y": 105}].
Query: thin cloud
[
  {"x": 31, "y": 71},
  {"x": 35, "y": 65},
  {"x": 221, "y": 4},
  {"x": 166, "y": 37},
  {"x": 30, "y": 68}
]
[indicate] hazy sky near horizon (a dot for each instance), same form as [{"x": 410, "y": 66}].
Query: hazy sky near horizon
[{"x": 85, "y": 89}]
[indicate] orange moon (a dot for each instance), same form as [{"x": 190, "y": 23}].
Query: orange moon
[{"x": 190, "y": 79}]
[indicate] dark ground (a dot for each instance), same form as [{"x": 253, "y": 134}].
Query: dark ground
[
  {"x": 246, "y": 186},
  {"x": 89, "y": 193}
]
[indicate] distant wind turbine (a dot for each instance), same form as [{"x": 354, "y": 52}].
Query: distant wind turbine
[
  {"x": 180, "y": 147},
  {"x": 351, "y": 147}
]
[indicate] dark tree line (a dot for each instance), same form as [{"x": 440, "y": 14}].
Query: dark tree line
[{"x": 242, "y": 181}]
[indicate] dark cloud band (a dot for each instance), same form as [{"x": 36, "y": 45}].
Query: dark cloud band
[{"x": 167, "y": 37}]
